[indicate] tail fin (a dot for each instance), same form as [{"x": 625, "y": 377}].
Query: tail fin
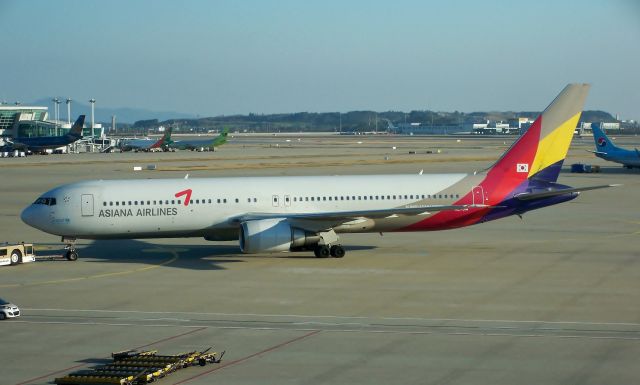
[
  {"x": 220, "y": 139},
  {"x": 163, "y": 141},
  {"x": 539, "y": 153},
  {"x": 166, "y": 138},
  {"x": 76, "y": 130},
  {"x": 603, "y": 143}
]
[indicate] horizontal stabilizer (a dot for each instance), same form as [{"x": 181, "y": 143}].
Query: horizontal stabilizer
[
  {"x": 527, "y": 196},
  {"x": 598, "y": 152}
]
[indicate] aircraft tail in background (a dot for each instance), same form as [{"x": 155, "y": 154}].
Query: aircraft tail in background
[
  {"x": 76, "y": 130},
  {"x": 604, "y": 145},
  {"x": 606, "y": 150}
]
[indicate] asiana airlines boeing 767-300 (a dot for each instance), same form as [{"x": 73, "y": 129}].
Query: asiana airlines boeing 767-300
[{"x": 277, "y": 214}]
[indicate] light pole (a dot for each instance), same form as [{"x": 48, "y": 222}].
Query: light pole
[
  {"x": 69, "y": 110},
  {"x": 93, "y": 104},
  {"x": 56, "y": 103}
]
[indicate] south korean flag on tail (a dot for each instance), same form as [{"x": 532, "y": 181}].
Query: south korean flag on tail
[{"x": 522, "y": 167}]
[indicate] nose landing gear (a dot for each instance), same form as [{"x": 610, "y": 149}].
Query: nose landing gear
[{"x": 71, "y": 253}]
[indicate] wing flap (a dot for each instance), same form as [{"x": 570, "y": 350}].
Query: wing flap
[{"x": 353, "y": 215}]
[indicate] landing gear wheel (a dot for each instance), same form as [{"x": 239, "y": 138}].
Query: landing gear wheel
[
  {"x": 16, "y": 257},
  {"x": 337, "y": 251},
  {"x": 322, "y": 251},
  {"x": 71, "y": 255}
]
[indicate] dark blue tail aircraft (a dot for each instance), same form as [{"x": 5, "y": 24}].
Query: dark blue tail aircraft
[
  {"x": 606, "y": 150},
  {"x": 37, "y": 144}
]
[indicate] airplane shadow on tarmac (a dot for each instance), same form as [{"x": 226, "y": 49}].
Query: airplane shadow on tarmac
[{"x": 194, "y": 257}]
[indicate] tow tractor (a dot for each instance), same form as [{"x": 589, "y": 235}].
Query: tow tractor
[
  {"x": 14, "y": 254},
  {"x": 131, "y": 367}
]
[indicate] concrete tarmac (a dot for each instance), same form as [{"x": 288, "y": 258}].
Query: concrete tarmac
[{"x": 550, "y": 298}]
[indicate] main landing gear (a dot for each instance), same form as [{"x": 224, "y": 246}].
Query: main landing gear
[
  {"x": 70, "y": 246},
  {"x": 324, "y": 251},
  {"x": 328, "y": 246}
]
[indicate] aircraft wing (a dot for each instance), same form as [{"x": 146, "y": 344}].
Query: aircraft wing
[
  {"x": 528, "y": 196},
  {"x": 323, "y": 220}
]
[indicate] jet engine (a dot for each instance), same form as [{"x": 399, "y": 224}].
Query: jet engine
[{"x": 273, "y": 236}]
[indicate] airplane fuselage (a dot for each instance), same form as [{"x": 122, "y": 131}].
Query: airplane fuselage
[
  {"x": 43, "y": 143},
  {"x": 628, "y": 158},
  {"x": 210, "y": 207}
]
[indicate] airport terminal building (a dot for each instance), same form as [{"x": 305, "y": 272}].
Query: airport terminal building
[{"x": 28, "y": 121}]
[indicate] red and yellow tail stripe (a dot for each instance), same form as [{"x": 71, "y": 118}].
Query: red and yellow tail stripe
[{"x": 537, "y": 155}]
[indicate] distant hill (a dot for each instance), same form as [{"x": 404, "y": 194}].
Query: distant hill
[
  {"x": 142, "y": 119},
  {"x": 354, "y": 121},
  {"x": 103, "y": 114}
]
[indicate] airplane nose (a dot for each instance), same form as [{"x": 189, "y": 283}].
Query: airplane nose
[{"x": 27, "y": 216}]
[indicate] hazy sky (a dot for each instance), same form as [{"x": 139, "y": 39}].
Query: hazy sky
[{"x": 225, "y": 57}]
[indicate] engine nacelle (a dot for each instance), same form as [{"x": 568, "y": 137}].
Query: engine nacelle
[{"x": 273, "y": 236}]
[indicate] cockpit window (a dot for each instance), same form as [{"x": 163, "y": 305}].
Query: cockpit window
[{"x": 45, "y": 201}]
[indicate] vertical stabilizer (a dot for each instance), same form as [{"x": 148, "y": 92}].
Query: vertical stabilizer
[
  {"x": 539, "y": 152},
  {"x": 76, "y": 130},
  {"x": 603, "y": 143}
]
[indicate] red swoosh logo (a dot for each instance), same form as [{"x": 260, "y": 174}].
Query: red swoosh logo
[{"x": 186, "y": 192}]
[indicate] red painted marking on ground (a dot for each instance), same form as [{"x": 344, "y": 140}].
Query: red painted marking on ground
[
  {"x": 81, "y": 365},
  {"x": 51, "y": 374},
  {"x": 239, "y": 360},
  {"x": 186, "y": 192}
]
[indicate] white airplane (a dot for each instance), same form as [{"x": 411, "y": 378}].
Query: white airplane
[{"x": 278, "y": 214}]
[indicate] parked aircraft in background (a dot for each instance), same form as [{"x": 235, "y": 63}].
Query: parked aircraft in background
[
  {"x": 42, "y": 143},
  {"x": 277, "y": 214},
  {"x": 606, "y": 150},
  {"x": 198, "y": 144},
  {"x": 145, "y": 144}
]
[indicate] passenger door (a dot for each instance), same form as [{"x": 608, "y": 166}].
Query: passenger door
[
  {"x": 87, "y": 205},
  {"x": 478, "y": 195}
]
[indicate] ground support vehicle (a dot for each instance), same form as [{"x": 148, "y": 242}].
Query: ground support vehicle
[
  {"x": 16, "y": 253},
  {"x": 131, "y": 367}
]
